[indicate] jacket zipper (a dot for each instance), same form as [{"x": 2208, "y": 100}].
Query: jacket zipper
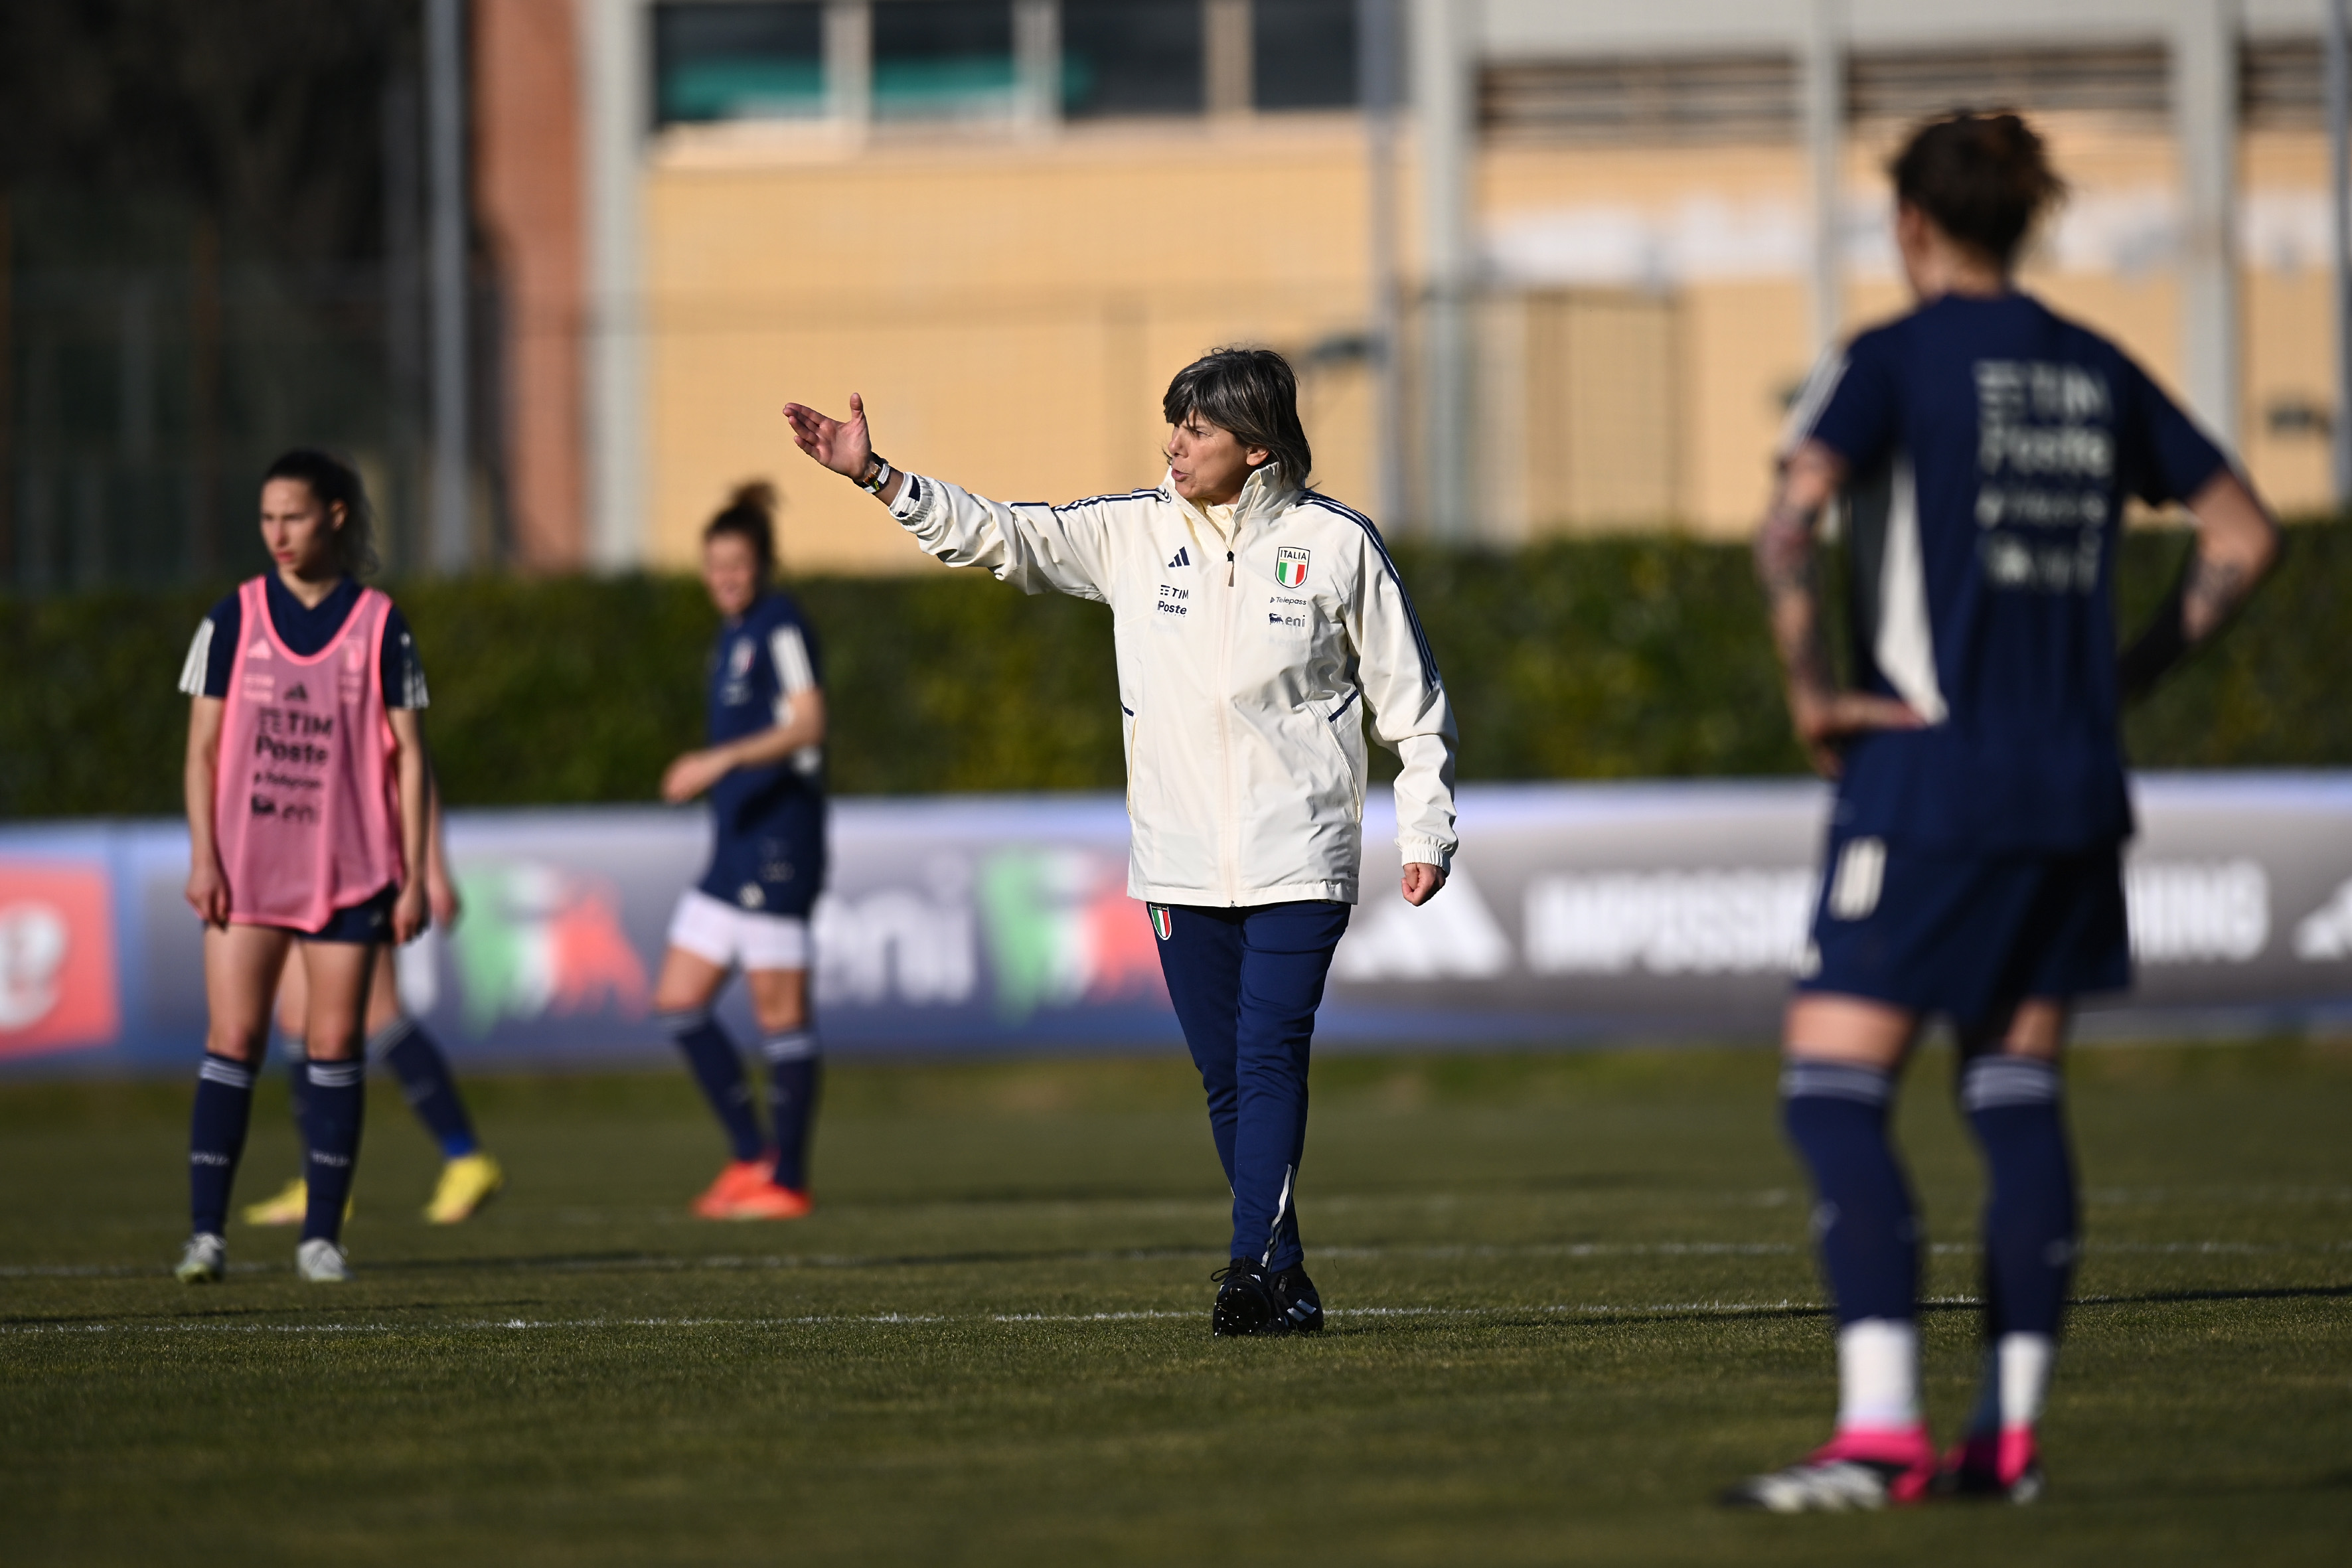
[{"x": 1228, "y": 834}]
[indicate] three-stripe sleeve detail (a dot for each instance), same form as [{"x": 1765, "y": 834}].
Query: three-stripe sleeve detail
[
  {"x": 199, "y": 660},
  {"x": 1379, "y": 547}
]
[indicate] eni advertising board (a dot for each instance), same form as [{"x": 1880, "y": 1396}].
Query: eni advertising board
[{"x": 1577, "y": 914}]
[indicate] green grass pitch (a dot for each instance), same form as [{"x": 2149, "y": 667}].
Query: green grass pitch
[{"x": 1570, "y": 1294}]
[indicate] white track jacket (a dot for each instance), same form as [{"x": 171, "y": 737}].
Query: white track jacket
[{"x": 1241, "y": 668}]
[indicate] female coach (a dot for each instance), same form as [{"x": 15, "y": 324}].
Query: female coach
[
  {"x": 1254, "y": 620},
  {"x": 306, "y": 791}
]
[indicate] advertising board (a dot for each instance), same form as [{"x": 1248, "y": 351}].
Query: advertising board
[{"x": 1578, "y": 913}]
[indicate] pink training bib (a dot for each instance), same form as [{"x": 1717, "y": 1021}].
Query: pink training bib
[{"x": 304, "y": 804}]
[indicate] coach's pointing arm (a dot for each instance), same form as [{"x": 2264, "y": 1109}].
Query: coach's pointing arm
[{"x": 1033, "y": 548}]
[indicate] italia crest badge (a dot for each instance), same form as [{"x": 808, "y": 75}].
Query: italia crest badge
[
  {"x": 1161, "y": 927},
  {"x": 1290, "y": 567}
]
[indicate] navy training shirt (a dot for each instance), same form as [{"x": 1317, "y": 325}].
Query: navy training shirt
[
  {"x": 768, "y": 853},
  {"x": 304, "y": 629},
  {"x": 1991, "y": 445}
]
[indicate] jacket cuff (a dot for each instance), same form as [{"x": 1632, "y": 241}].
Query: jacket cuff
[
  {"x": 909, "y": 504},
  {"x": 1426, "y": 851}
]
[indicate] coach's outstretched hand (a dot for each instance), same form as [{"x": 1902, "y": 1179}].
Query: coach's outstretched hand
[
  {"x": 1422, "y": 880},
  {"x": 842, "y": 448}
]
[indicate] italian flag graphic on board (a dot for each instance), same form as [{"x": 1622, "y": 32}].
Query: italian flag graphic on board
[{"x": 1290, "y": 567}]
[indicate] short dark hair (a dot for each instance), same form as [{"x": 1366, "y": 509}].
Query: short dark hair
[
  {"x": 1983, "y": 178},
  {"x": 751, "y": 515},
  {"x": 1254, "y": 394},
  {"x": 335, "y": 481}
]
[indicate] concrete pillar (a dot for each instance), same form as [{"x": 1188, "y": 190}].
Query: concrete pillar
[
  {"x": 449, "y": 517},
  {"x": 1821, "y": 85},
  {"x": 614, "y": 91},
  {"x": 1444, "y": 64},
  {"x": 2205, "y": 123},
  {"x": 850, "y": 66},
  {"x": 1377, "y": 61},
  {"x": 2339, "y": 235},
  {"x": 1225, "y": 56},
  {"x": 1037, "y": 62}
]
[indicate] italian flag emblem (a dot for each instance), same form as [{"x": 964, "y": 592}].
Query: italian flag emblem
[
  {"x": 1290, "y": 567},
  {"x": 1160, "y": 927}
]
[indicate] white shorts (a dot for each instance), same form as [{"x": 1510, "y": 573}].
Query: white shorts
[{"x": 732, "y": 937}]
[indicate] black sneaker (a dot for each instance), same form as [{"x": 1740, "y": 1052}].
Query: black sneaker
[
  {"x": 1246, "y": 1303},
  {"x": 1301, "y": 1307}
]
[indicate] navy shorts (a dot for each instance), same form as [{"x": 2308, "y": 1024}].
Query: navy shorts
[
  {"x": 1967, "y": 936},
  {"x": 369, "y": 921}
]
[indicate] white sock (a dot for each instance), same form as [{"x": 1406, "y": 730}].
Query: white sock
[
  {"x": 1878, "y": 1374},
  {"x": 2025, "y": 1362},
  {"x": 2015, "y": 1380}
]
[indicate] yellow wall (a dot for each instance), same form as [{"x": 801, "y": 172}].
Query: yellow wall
[
  {"x": 1012, "y": 309},
  {"x": 1011, "y": 313}
]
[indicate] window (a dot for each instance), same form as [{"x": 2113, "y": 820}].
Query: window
[
  {"x": 737, "y": 61},
  {"x": 936, "y": 59},
  {"x": 1131, "y": 57},
  {"x": 1303, "y": 54}
]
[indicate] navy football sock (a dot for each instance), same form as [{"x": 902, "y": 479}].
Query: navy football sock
[
  {"x": 298, "y": 1087},
  {"x": 426, "y": 1083},
  {"x": 712, "y": 1056},
  {"x": 1863, "y": 1219},
  {"x": 216, "y": 1141},
  {"x": 2028, "y": 1219},
  {"x": 338, "y": 1101},
  {"x": 794, "y": 1068}
]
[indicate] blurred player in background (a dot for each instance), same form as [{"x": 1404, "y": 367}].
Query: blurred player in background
[
  {"x": 1250, "y": 615},
  {"x": 1986, "y": 448},
  {"x": 305, "y": 781},
  {"x": 764, "y": 772},
  {"x": 469, "y": 1177}
]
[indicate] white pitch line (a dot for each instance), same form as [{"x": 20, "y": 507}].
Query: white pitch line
[
  {"x": 1573, "y": 1250},
  {"x": 522, "y": 1325},
  {"x": 1585, "y": 1310}
]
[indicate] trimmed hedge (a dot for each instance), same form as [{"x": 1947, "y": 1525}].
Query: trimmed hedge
[{"x": 1602, "y": 659}]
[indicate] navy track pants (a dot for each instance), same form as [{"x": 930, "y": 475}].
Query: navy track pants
[{"x": 1245, "y": 983}]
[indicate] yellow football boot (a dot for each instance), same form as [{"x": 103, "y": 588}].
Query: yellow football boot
[
  {"x": 292, "y": 1202},
  {"x": 466, "y": 1184},
  {"x": 290, "y": 1206}
]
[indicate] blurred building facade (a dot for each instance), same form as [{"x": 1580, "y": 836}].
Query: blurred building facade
[
  {"x": 1007, "y": 222},
  {"x": 1567, "y": 285}
]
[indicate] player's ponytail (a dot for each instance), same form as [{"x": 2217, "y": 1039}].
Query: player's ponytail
[
  {"x": 751, "y": 515},
  {"x": 1983, "y": 178},
  {"x": 335, "y": 482}
]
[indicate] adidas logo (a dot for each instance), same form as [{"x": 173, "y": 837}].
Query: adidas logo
[
  {"x": 298, "y": 693},
  {"x": 1183, "y": 556}
]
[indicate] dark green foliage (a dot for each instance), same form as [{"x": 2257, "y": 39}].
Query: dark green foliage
[
  {"x": 2272, "y": 691},
  {"x": 1604, "y": 658},
  {"x": 1629, "y": 658}
]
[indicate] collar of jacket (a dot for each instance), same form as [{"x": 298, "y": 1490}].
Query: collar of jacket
[{"x": 1265, "y": 495}]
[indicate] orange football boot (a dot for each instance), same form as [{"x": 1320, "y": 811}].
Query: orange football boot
[
  {"x": 740, "y": 1177},
  {"x": 768, "y": 1201}
]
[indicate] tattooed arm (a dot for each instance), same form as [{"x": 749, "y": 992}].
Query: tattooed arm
[
  {"x": 1822, "y": 715},
  {"x": 2237, "y": 544}
]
